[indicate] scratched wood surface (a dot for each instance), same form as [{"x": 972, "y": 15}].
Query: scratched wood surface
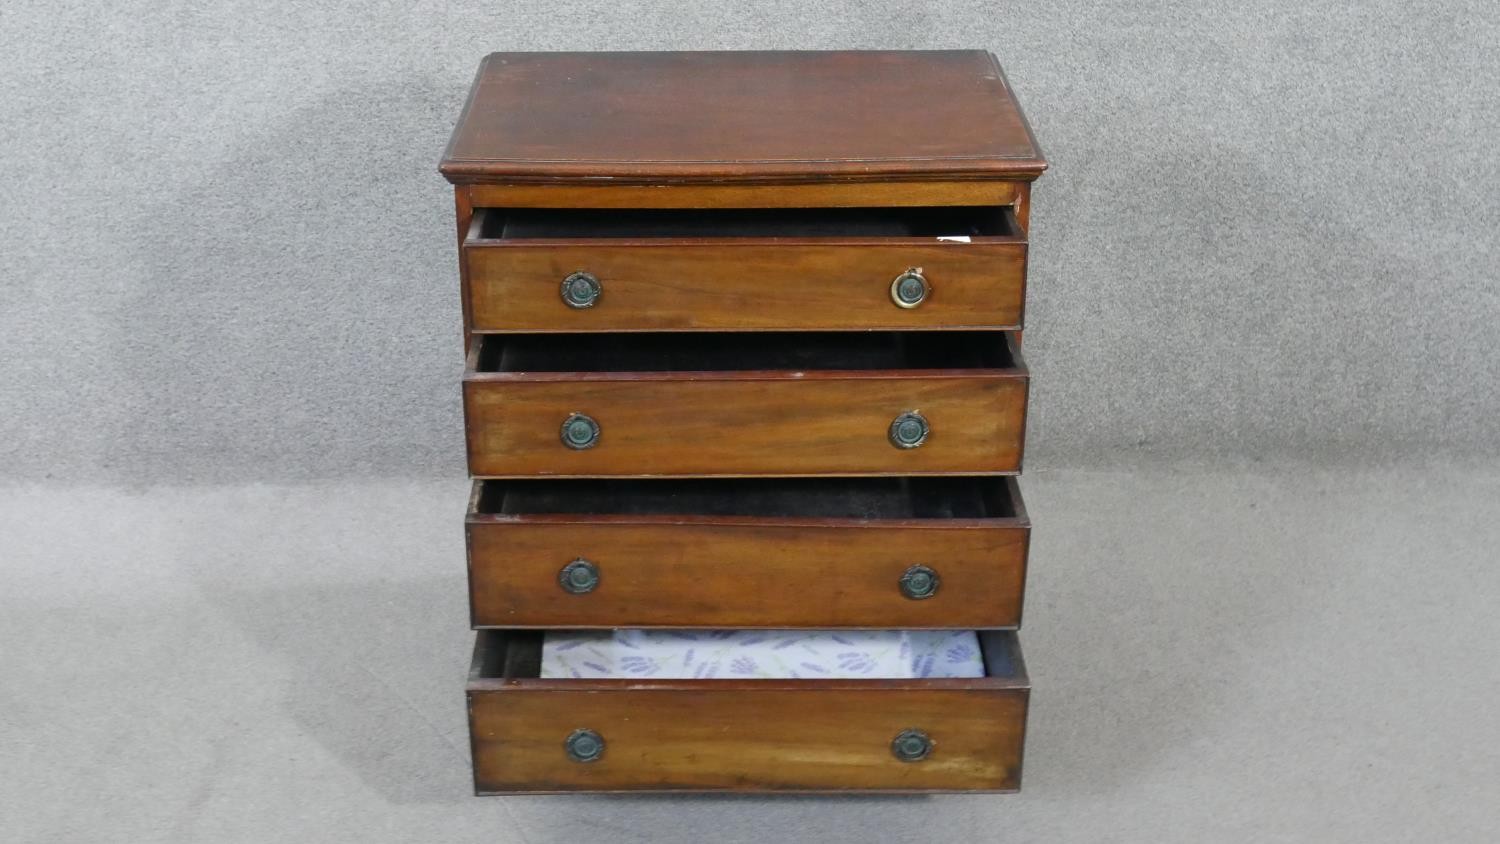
[
  {"x": 696, "y": 570},
  {"x": 720, "y": 283},
  {"x": 737, "y": 424},
  {"x": 741, "y": 116},
  {"x": 749, "y": 735},
  {"x": 637, "y": 134}
]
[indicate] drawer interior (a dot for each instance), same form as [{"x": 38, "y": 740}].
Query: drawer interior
[
  {"x": 744, "y": 351},
  {"x": 913, "y": 222},
  {"x": 507, "y": 655},
  {"x": 840, "y": 498}
]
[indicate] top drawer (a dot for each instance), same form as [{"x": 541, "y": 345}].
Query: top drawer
[{"x": 576, "y": 270}]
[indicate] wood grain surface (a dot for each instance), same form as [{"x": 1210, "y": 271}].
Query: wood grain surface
[
  {"x": 748, "y": 735},
  {"x": 740, "y": 116},
  {"x": 745, "y": 284},
  {"x": 745, "y": 423},
  {"x": 659, "y": 570},
  {"x": 767, "y": 389},
  {"x": 791, "y": 195}
]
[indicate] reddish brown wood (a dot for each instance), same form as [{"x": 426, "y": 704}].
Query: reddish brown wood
[
  {"x": 844, "y": 194},
  {"x": 463, "y": 214},
  {"x": 741, "y": 423},
  {"x": 660, "y": 570},
  {"x": 741, "y": 116},
  {"x": 1023, "y": 206},
  {"x": 746, "y": 130},
  {"x": 747, "y": 735},
  {"x": 745, "y": 283}
]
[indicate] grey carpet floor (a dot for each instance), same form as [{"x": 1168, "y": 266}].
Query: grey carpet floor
[{"x": 1257, "y": 653}]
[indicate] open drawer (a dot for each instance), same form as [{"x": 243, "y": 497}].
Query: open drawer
[
  {"x": 535, "y": 735},
  {"x": 744, "y": 404},
  {"x": 764, "y": 552},
  {"x": 573, "y": 270}
]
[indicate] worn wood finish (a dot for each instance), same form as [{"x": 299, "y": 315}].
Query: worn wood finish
[
  {"x": 744, "y": 423},
  {"x": 463, "y": 213},
  {"x": 664, "y": 363},
  {"x": 660, "y": 570},
  {"x": 748, "y": 735},
  {"x": 1022, "y": 205},
  {"x": 793, "y": 195},
  {"x": 652, "y": 118},
  {"x": 745, "y": 283}
]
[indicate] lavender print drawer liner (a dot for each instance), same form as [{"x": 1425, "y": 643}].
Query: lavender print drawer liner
[{"x": 761, "y": 654}]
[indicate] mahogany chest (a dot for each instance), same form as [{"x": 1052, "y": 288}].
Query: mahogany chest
[{"x": 743, "y": 352}]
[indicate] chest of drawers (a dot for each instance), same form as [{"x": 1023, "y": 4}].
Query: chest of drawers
[{"x": 743, "y": 351}]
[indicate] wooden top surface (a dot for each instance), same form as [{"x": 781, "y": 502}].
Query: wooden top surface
[{"x": 740, "y": 116}]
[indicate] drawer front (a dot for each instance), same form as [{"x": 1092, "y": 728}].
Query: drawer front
[
  {"x": 746, "y": 286},
  {"x": 747, "y": 739},
  {"x": 703, "y": 425},
  {"x": 747, "y": 735},
  {"x": 741, "y": 575}
]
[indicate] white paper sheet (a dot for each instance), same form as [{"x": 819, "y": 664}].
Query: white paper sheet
[{"x": 763, "y": 654}]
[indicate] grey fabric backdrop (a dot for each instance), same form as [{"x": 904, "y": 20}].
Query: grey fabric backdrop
[
  {"x": 232, "y": 597},
  {"x": 1270, "y": 227}
]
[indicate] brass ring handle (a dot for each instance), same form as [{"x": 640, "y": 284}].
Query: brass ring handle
[
  {"x": 911, "y": 746},
  {"x": 581, "y": 290},
  {"x": 920, "y": 582},
  {"x": 580, "y": 431},
  {"x": 910, "y": 289},
  {"x": 909, "y": 430},
  {"x": 584, "y": 745},
  {"x": 578, "y": 577}
]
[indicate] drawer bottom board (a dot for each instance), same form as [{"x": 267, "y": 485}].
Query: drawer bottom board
[{"x": 743, "y": 735}]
